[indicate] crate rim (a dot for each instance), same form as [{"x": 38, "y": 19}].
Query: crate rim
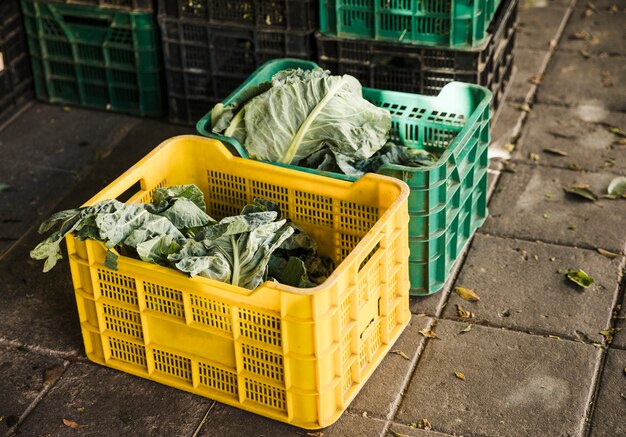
[
  {"x": 129, "y": 178},
  {"x": 201, "y": 125}
]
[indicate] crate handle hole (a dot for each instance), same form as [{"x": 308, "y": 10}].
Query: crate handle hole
[
  {"x": 85, "y": 21},
  {"x": 126, "y": 195}
]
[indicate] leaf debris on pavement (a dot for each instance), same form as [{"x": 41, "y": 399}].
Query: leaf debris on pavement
[
  {"x": 402, "y": 354},
  {"x": 4, "y": 187},
  {"x": 72, "y": 424},
  {"x": 397, "y": 434},
  {"x": 468, "y": 328},
  {"x": 617, "y": 131},
  {"x": 536, "y": 79},
  {"x": 521, "y": 106},
  {"x": 580, "y": 278},
  {"x": 617, "y": 187},
  {"x": 463, "y": 313},
  {"x": 581, "y": 190},
  {"x": 608, "y": 334},
  {"x": 574, "y": 166},
  {"x": 51, "y": 374},
  {"x": 428, "y": 333},
  {"x": 424, "y": 424},
  {"x": 459, "y": 375},
  {"x": 534, "y": 156},
  {"x": 467, "y": 294},
  {"x": 557, "y": 134},
  {"x": 607, "y": 253},
  {"x": 315, "y": 434},
  {"x": 557, "y": 152}
]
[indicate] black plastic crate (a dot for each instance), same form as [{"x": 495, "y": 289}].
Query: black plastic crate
[
  {"x": 122, "y": 5},
  {"x": 421, "y": 69},
  {"x": 15, "y": 72},
  {"x": 205, "y": 63},
  {"x": 293, "y": 15}
]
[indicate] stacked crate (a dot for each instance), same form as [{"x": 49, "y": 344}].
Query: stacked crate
[
  {"x": 420, "y": 46},
  {"x": 102, "y": 54},
  {"x": 15, "y": 74},
  {"x": 212, "y": 46}
]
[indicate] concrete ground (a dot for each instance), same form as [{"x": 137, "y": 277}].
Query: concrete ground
[{"x": 535, "y": 361}]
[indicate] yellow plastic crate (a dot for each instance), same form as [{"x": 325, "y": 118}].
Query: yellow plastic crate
[{"x": 295, "y": 355}]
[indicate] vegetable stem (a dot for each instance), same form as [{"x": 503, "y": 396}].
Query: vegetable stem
[
  {"x": 235, "y": 276},
  {"x": 304, "y": 127},
  {"x": 234, "y": 123}
]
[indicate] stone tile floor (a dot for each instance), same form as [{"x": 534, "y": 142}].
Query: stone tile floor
[{"x": 534, "y": 361}]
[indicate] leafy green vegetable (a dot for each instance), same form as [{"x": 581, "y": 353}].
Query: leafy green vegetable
[
  {"x": 306, "y": 111},
  {"x": 617, "y": 187},
  {"x": 237, "y": 249},
  {"x": 580, "y": 277}
]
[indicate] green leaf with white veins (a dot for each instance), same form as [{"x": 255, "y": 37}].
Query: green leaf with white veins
[
  {"x": 157, "y": 250},
  {"x": 190, "y": 192},
  {"x": 617, "y": 187},
  {"x": 213, "y": 267},
  {"x": 305, "y": 111}
]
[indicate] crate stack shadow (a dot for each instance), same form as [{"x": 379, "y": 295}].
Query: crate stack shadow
[
  {"x": 420, "y": 46},
  {"x": 15, "y": 72},
  {"x": 100, "y": 54},
  {"x": 212, "y": 46}
]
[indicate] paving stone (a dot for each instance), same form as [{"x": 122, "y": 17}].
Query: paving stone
[
  {"x": 584, "y": 89},
  {"x": 521, "y": 209},
  {"x": 537, "y": 27},
  {"x": 45, "y": 134},
  {"x": 528, "y": 63},
  {"x": 516, "y": 384},
  {"x": 22, "y": 381},
  {"x": 38, "y": 308},
  {"x": 526, "y": 293},
  {"x": 608, "y": 416},
  {"x": 505, "y": 130},
  {"x": 385, "y": 385},
  {"x": 113, "y": 403},
  {"x": 232, "y": 422},
  {"x": 587, "y": 143},
  {"x": 34, "y": 189},
  {"x": 398, "y": 430},
  {"x": 604, "y": 32}
]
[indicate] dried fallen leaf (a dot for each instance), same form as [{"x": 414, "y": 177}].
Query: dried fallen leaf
[
  {"x": 554, "y": 337},
  {"x": 581, "y": 190},
  {"x": 72, "y": 424},
  {"x": 468, "y": 328},
  {"x": 509, "y": 147},
  {"x": 428, "y": 333},
  {"x": 4, "y": 187},
  {"x": 521, "y": 106},
  {"x": 585, "y": 53},
  {"x": 459, "y": 375},
  {"x": 562, "y": 135},
  {"x": 546, "y": 216},
  {"x": 581, "y": 35},
  {"x": 572, "y": 227},
  {"x": 574, "y": 166},
  {"x": 464, "y": 314},
  {"x": 534, "y": 156},
  {"x": 607, "y": 253},
  {"x": 579, "y": 277},
  {"x": 315, "y": 434},
  {"x": 557, "y": 152},
  {"x": 548, "y": 195},
  {"x": 536, "y": 79},
  {"x": 613, "y": 9},
  {"x": 467, "y": 294},
  {"x": 608, "y": 334},
  {"x": 398, "y": 434},
  {"x": 51, "y": 374},
  {"x": 617, "y": 187},
  {"x": 402, "y": 354},
  {"x": 424, "y": 424},
  {"x": 617, "y": 131}
]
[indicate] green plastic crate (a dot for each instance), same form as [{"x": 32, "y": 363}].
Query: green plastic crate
[
  {"x": 448, "y": 200},
  {"x": 450, "y": 23},
  {"x": 95, "y": 57}
]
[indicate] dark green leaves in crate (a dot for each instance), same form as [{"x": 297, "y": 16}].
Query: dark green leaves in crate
[{"x": 175, "y": 231}]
